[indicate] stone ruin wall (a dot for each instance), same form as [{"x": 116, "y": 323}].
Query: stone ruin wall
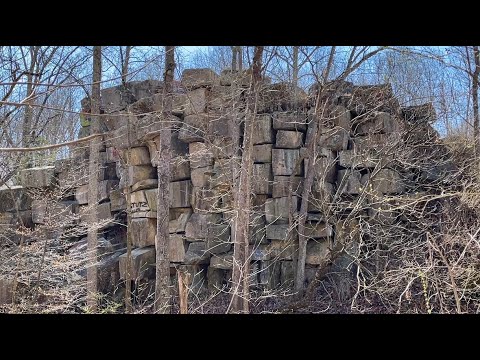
[{"x": 362, "y": 121}]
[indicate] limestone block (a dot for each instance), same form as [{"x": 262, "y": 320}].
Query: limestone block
[
  {"x": 281, "y": 186},
  {"x": 290, "y": 121},
  {"x": 277, "y": 209},
  {"x": 224, "y": 261},
  {"x": 178, "y": 220},
  {"x": 262, "y": 130},
  {"x": 142, "y": 263},
  {"x": 197, "y": 254},
  {"x": 262, "y": 153},
  {"x": 335, "y": 139},
  {"x": 289, "y": 139},
  {"x": 196, "y": 101},
  {"x": 195, "y": 78},
  {"x": 38, "y": 177},
  {"x": 201, "y": 176},
  {"x": 316, "y": 251},
  {"x": 180, "y": 193},
  {"x": 117, "y": 200},
  {"x": 262, "y": 179},
  {"x": 176, "y": 248},
  {"x": 218, "y": 238},
  {"x": 284, "y": 162},
  {"x": 197, "y": 225},
  {"x": 138, "y": 156},
  {"x": 179, "y": 168},
  {"x": 143, "y": 231},
  {"x": 194, "y": 128},
  {"x": 281, "y": 232},
  {"x": 200, "y": 155},
  {"x": 139, "y": 173}
]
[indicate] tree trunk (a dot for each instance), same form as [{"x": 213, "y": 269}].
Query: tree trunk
[
  {"x": 162, "y": 283},
  {"x": 240, "y": 58},
  {"x": 234, "y": 58},
  {"x": 295, "y": 68},
  {"x": 125, "y": 63},
  {"x": 476, "y": 116},
  {"x": 93, "y": 170},
  {"x": 241, "y": 262}
]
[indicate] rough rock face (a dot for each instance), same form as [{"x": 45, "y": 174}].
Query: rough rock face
[{"x": 359, "y": 128}]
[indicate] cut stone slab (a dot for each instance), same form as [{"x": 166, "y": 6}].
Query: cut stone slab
[
  {"x": 117, "y": 200},
  {"x": 277, "y": 209},
  {"x": 179, "y": 221},
  {"x": 201, "y": 176},
  {"x": 56, "y": 210},
  {"x": 38, "y": 177},
  {"x": 218, "y": 238},
  {"x": 262, "y": 179},
  {"x": 196, "y": 101},
  {"x": 139, "y": 173},
  {"x": 289, "y": 139},
  {"x": 224, "y": 262},
  {"x": 195, "y": 78},
  {"x": 179, "y": 168},
  {"x": 316, "y": 251},
  {"x": 284, "y": 162},
  {"x": 194, "y": 128},
  {"x": 377, "y": 122},
  {"x": 138, "y": 156},
  {"x": 318, "y": 230},
  {"x": 13, "y": 198},
  {"x": 289, "y": 121},
  {"x": 197, "y": 254},
  {"x": 142, "y": 263},
  {"x": 281, "y": 232},
  {"x": 176, "y": 248},
  {"x": 197, "y": 225},
  {"x": 180, "y": 193},
  {"x": 262, "y": 153},
  {"x": 349, "y": 182},
  {"x": 335, "y": 139},
  {"x": 143, "y": 232},
  {"x": 145, "y": 185},
  {"x": 262, "y": 133},
  {"x": 138, "y": 202},
  {"x": 281, "y": 250},
  {"x": 281, "y": 186},
  {"x": 200, "y": 155}
]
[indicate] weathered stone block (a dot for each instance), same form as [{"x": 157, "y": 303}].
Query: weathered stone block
[
  {"x": 139, "y": 173},
  {"x": 201, "y": 176},
  {"x": 143, "y": 232},
  {"x": 385, "y": 181},
  {"x": 287, "y": 273},
  {"x": 205, "y": 200},
  {"x": 195, "y": 78},
  {"x": 147, "y": 184},
  {"x": 176, "y": 248},
  {"x": 318, "y": 230},
  {"x": 335, "y": 139},
  {"x": 194, "y": 128},
  {"x": 262, "y": 153},
  {"x": 223, "y": 148},
  {"x": 215, "y": 278},
  {"x": 179, "y": 168},
  {"x": 196, "y": 101},
  {"x": 341, "y": 117},
  {"x": 222, "y": 173},
  {"x": 378, "y": 142},
  {"x": 257, "y": 229},
  {"x": 218, "y": 238},
  {"x": 316, "y": 251},
  {"x": 281, "y": 232},
  {"x": 289, "y": 121},
  {"x": 197, "y": 225},
  {"x": 349, "y": 182},
  {"x": 200, "y": 155},
  {"x": 224, "y": 262},
  {"x": 105, "y": 187},
  {"x": 284, "y": 162},
  {"x": 178, "y": 220},
  {"x": 289, "y": 139},
  {"x": 262, "y": 133},
  {"x": 113, "y": 155},
  {"x": 282, "y": 250},
  {"x": 322, "y": 192},
  {"x": 277, "y": 209},
  {"x": 81, "y": 194},
  {"x": 222, "y": 97},
  {"x": 197, "y": 254},
  {"x": 262, "y": 179},
  {"x": 38, "y": 177},
  {"x": 138, "y": 156},
  {"x": 117, "y": 200},
  {"x": 6, "y": 291},
  {"x": 376, "y": 122},
  {"x": 142, "y": 263},
  {"x": 351, "y": 159},
  {"x": 13, "y": 198},
  {"x": 281, "y": 186},
  {"x": 42, "y": 210},
  {"x": 180, "y": 193}
]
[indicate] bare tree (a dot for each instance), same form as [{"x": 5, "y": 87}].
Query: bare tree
[
  {"x": 93, "y": 180},
  {"x": 162, "y": 284}
]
